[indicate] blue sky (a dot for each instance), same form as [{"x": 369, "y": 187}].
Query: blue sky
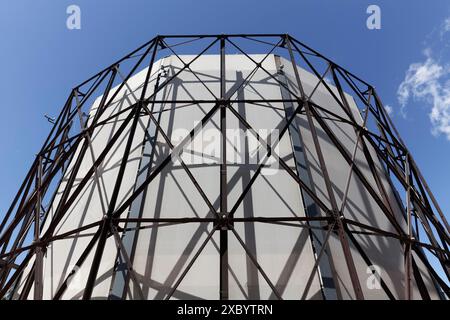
[{"x": 41, "y": 60}]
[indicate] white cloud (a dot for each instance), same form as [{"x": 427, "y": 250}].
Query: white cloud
[
  {"x": 428, "y": 82},
  {"x": 388, "y": 109},
  {"x": 446, "y": 26}
]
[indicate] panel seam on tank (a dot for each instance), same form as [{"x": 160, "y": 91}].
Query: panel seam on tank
[{"x": 282, "y": 77}]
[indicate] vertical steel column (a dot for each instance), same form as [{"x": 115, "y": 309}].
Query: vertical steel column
[
  {"x": 139, "y": 204},
  {"x": 38, "y": 264},
  {"x": 105, "y": 229},
  {"x": 350, "y": 171},
  {"x": 319, "y": 243},
  {"x": 105, "y": 226},
  {"x": 430, "y": 194},
  {"x": 408, "y": 257},
  {"x": 336, "y": 214},
  {"x": 414, "y": 166},
  {"x": 150, "y": 69},
  {"x": 223, "y": 179},
  {"x": 88, "y": 138}
]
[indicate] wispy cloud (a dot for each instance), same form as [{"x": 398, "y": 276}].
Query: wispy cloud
[
  {"x": 429, "y": 82},
  {"x": 445, "y": 26},
  {"x": 388, "y": 109}
]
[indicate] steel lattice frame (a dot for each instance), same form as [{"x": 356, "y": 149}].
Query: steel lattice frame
[{"x": 27, "y": 211}]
